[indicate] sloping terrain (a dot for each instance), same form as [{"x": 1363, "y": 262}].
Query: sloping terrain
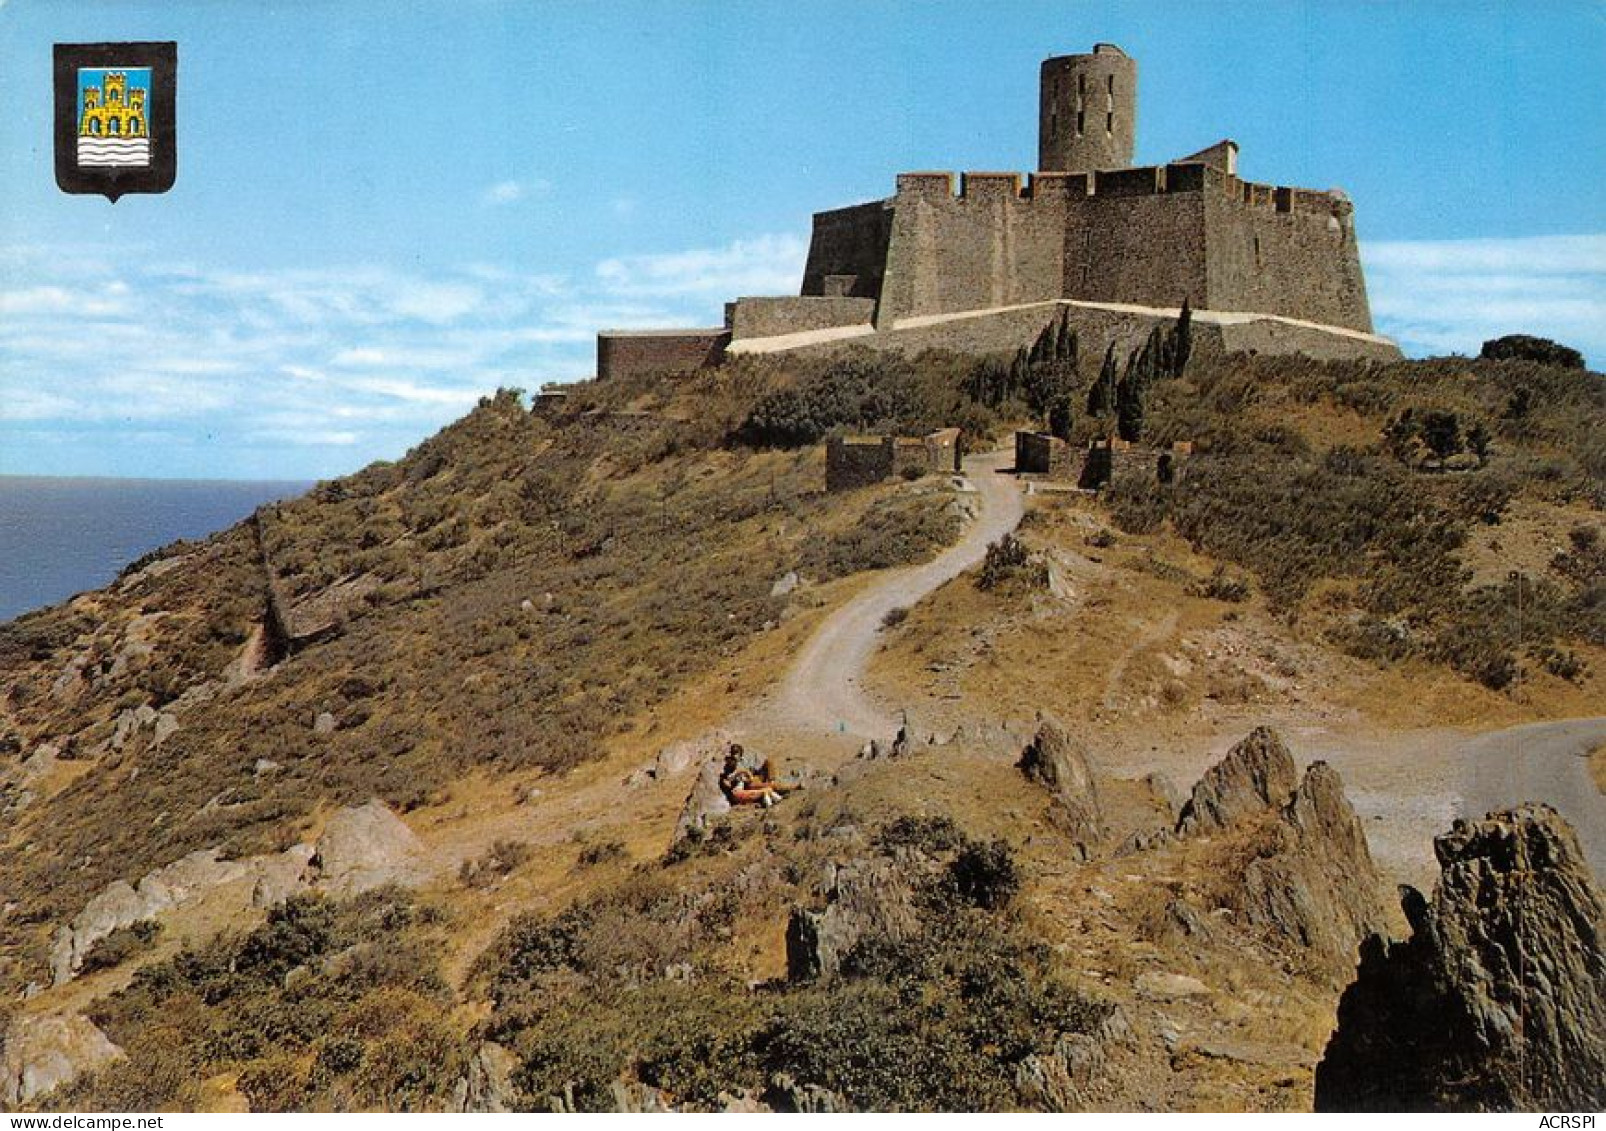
[{"x": 380, "y": 800}]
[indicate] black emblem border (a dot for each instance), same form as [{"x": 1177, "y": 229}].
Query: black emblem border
[{"x": 159, "y": 175}]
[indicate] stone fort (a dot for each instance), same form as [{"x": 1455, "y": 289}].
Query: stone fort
[{"x": 1119, "y": 247}]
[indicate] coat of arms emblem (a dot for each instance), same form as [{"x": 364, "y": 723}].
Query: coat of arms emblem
[{"x": 115, "y": 129}]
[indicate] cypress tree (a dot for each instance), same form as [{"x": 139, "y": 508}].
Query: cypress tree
[
  {"x": 1183, "y": 340},
  {"x": 1101, "y": 397}
]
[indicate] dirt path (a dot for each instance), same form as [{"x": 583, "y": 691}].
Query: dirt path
[
  {"x": 822, "y": 694},
  {"x": 1151, "y": 636}
]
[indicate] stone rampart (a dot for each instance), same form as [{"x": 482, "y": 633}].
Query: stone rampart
[
  {"x": 793, "y": 314},
  {"x": 626, "y": 353}
]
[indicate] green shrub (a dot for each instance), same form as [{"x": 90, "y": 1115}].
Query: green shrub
[
  {"x": 986, "y": 874},
  {"x": 1009, "y": 564},
  {"x": 121, "y": 944}
]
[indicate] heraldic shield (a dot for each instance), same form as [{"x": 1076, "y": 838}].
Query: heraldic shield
[{"x": 115, "y": 128}]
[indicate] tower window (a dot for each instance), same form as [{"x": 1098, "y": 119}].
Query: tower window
[
  {"x": 1081, "y": 86},
  {"x": 1081, "y": 122},
  {"x": 1109, "y": 123}
]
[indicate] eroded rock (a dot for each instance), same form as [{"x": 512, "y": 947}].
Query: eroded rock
[
  {"x": 1059, "y": 764},
  {"x": 1256, "y": 775},
  {"x": 487, "y": 1082},
  {"x": 705, "y": 802},
  {"x": 873, "y": 897},
  {"x": 1321, "y": 890},
  {"x": 1497, "y": 1001}
]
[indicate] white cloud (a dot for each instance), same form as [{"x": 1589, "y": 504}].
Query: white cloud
[
  {"x": 504, "y": 192},
  {"x": 364, "y": 359},
  {"x": 1444, "y": 296},
  {"x": 766, "y": 265}
]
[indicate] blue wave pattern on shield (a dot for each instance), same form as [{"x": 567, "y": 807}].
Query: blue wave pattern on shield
[{"x": 113, "y": 122}]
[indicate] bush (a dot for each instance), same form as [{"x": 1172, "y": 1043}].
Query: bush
[
  {"x": 932, "y": 835},
  {"x": 1009, "y": 564},
  {"x": 122, "y": 944},
  {"x": 894, "y": 617},
  {"x": 985, "y": 875},
  {"x": 1523, "y": 347},
  {"x": 1221, "y": 586},
  {"x": 502, "y": 860},
  {"x": 895, "y": 531}
]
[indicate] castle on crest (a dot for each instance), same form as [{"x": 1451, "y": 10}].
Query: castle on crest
[
  {"x": 121, "y": 114},
  {"x": 1116, "y": 247}
]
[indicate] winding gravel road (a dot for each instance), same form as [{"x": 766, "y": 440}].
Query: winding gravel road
[{"x": 822, "y": 693}]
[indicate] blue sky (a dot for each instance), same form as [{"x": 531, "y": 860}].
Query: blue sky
[{"x": 386, "y": 210}]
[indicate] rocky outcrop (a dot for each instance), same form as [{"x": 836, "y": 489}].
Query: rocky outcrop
[
  {"x": 1055, "y": 761},
  {"x": 487, "y": 1082},
  {"x": 865, "y": 898},
  {"x": 361, "y": 848},
  {"x": 1497, "y": 1000},
  {"x": 1256, "y": 774},
  {"x": 44, "y": 1051},
  {"x": 365, "y": 848},
  {"x": 1069, "y": 1077},
  {"x": 1320, "y": 889},
  {"x": 705, "y": 802},
  {"x": 121, "y": 904},
  {"x": 680, "y": 756}
]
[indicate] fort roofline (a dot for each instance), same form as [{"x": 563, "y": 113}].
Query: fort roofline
[{"x": 1138, "y": 180}]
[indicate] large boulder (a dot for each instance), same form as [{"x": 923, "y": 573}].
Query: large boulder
[
  {"x": 705, "y": 802},
  {"x": 1497, "y": 1000},
  {"x": 44, "y": 1051},
  {"x": 1256, "y": 775},
  {"x": 364, "y": 848},
  {"x": 1059, "y": 764}
]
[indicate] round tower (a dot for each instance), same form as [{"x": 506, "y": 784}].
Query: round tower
[{"x": 1088, "y": 106}]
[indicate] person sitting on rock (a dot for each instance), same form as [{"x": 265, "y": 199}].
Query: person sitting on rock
[{"x": 746, "y": 784}]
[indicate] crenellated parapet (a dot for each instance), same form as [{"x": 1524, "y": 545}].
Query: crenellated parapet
[{"x": 1139, "y": 180}]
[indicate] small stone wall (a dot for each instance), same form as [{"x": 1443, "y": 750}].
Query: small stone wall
[
  {"x": 769, "y": 317},
  {"x": 625, "y": 353},
  {"x": 1038, "y": 453},
  {"x": 1109, "y": 461},
  {"x": 1100, "y": 463},
  {"x": 860, "y": 461}
]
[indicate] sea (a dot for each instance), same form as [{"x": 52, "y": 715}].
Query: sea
[{"x": 60, "y": 537}]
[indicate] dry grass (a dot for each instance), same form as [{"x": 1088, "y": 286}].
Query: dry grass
[{"x": 1597, "y": 766}]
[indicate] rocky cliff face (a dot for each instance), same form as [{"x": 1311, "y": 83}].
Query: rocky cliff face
[{"x": 1497, "y": 1001}]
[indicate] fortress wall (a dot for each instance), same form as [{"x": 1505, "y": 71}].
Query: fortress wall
[
  {"x": 1137, "y": 240},
  {"x": 1001, "y": 333},
  {"x": 764, "y": 317},
  {"x": 1284, "y": 251},
  {"x": 625, "y": 353},
  {"x": 1277, "y": 338},
  {"x": 848, "y": 251},
  {"x": 991, "y": 245}
]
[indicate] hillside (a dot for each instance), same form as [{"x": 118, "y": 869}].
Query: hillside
[{"x": 375, "y": 800}]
